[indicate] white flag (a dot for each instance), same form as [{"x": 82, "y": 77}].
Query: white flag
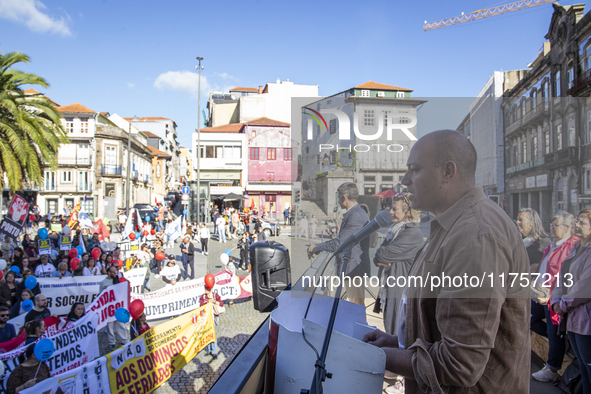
[
  {"x": 128, "y": 225},
  {"x": 174, "y": 229},
  {"x": 84, "y": 220}
]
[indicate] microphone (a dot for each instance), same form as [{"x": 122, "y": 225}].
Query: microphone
[{"x": 382, "y": 219}]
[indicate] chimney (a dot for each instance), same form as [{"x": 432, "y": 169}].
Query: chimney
[{"x": 260, "y": 89}]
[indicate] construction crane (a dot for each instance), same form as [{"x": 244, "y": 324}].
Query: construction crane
[{"x": 485, "y": 13}]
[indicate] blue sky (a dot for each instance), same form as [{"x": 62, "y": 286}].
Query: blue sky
[{"x": 138, "y": 58}]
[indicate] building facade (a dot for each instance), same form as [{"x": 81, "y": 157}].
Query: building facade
[{"x": 367, "y": 147}]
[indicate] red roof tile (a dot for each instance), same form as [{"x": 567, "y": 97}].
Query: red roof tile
[
  {"x": 75, "y": 108},
  {"x": 266, "y": 122},
  {"x": 148, "y": 134},
  {"x": 381, "y": 86},
  {"x": 157, "y": 151},
  {"x": 31, "y": 91},
  {"x": 226, "y": 128},
  {"x": 240, "y": 89}
]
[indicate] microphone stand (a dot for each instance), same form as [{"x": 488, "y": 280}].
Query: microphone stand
[{"x": 320, "y": 373}]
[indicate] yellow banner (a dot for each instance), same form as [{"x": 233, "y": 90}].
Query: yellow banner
[{"x": 151, "y": 359}]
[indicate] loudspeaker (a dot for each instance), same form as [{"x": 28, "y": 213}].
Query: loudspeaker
[
  {"x": 372, "y": 205},
  {"x": 271, "y": 273}
]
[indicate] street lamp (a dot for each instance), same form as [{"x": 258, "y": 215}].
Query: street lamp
[
  {"x": 199, "y": 146},
  {"x": 128, "y": 182}
]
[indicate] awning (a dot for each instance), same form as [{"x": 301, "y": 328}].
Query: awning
[{"x": 233, "y": 197}]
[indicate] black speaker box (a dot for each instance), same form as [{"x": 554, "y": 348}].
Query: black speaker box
[
  {"x": 372, "y": 205},
  {"x": 271, "y": 273}
]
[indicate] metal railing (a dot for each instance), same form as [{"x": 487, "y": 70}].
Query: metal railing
[{"x": 110, "y": 169}]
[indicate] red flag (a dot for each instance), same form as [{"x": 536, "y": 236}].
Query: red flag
[
  {"x": 100, "y": 229},
  {"x": 20, "y": 339}
]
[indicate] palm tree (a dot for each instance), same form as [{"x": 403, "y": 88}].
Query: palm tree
[{"x": 30, "y": 128}]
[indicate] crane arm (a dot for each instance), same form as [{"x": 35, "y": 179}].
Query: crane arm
[{"x": 485, "y": 13}]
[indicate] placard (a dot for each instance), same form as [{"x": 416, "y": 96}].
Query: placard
[
  {"x": 65, "y": 242},
  {"x": 44, "y": 246}
]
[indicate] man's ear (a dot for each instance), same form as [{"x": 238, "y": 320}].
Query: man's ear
[{"x": 450, "y": 171}]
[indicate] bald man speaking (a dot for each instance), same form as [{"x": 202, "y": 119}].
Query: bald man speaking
[{"x": 465, "y": 330}]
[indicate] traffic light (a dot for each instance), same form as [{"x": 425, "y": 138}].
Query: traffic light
[{"x": 297, "y": 197}]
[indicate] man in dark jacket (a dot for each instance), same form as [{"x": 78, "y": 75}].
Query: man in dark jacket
[
  {"x": 354, "y": 219},
  {"x": 188, "y": 259}
]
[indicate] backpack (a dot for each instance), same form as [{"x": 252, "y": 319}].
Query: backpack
[{"x": 571, "y": 381}]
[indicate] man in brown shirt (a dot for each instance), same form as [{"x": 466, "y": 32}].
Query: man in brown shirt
[{"x": 468, "y": 333}]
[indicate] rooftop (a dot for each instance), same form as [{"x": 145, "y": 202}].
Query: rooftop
[
  {"x": 75, "y": 108},
  {"x": 241, "y": 89},
  {"x": 380, "y": 86},
  {"x": 226, "y": 128},
  {"x": 149, "y": 134},
  {"x": 157, "y": 152},
  {"x": 266, "y": 122}
]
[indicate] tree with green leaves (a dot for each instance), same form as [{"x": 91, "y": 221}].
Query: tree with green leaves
[{"x": 30, "y": 128}]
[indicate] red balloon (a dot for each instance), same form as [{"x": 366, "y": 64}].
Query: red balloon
[
  {"x": 1, "y": 275},
  {"x": 32, "y": 217},
  {"x": 73, "y": 253},
  {"x": 146, "y": 233},
  {"x": 160, "y": 256},
  {"x": 74, "y": 264},
  {"x": 132, "y": 236},
  {"x": 136, "y": 308},
  {"x": 152, "y": 232},
  {"x": 96, "y": 253},
  {"x": 118, "y": 262},
  {"x": 209, "y": 281}
]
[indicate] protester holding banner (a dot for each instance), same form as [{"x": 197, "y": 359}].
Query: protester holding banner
[
  {"x": 171, "y": 274},
  {"x": 44, "y": 270},
  {"x": 94, "y": 243},
  {"x": 92, "y": 268},
  {"x": 34, "y": 330},
  {"x": 115, "y": 330},
  {"x": 76, "y": 313},
  {"x": 17, "y": 257},
  {"x": 7, "y": 330},
  {"x": 40, "y": 310},
  {"x": 28, "y": 373},
  {"x": 218, "y": 308},
  {"x": 17, "y": 309},
  {"x": 139, "y": 326},
  {"x": 62, "y": 271}
]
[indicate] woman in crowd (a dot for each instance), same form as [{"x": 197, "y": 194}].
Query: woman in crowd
[
  {"x": 21, "y": 286},
  {"x": 62, "y": 271},
  {"x": 562, "y": 229},
  {"x": 34, "y": 330},
  {"x": 572, "y": 295},
  {"x": 26, "y": 241},
  {"x": 139, "y": 326},
  {"x": 8, "y": 290},
  {"x": 204, "y": 238},
  {"x": 534, "y": 237},
  {"x": 171, "y": 273},
  {"x": 109, "y": 260},
  {"x": 31, "y": 253},
  {"x": 92, "y": 268},
  {"x": 76, "y": 312},
  {"x": 17, "y": 258},
  {"x": 396, "y": 254},
  {"x": 243, "y": 247},
  {"x": 103, "y": 262},
  {"x": 217, "y": 304},
  {"x": 17, "y": 309},
  {"x": 313, "y": 225},
  {"x": 25, "y": 265},
  {"x": 28, "y": 373}
]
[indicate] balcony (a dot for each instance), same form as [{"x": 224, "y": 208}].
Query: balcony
[
  {"x": 134, "y": 174},
  {"x": 562, "y": 158},
  {"x": 110, "y": 169},
  {"x": 147, "y": 178},
  {"x": 72, "y": 160},
  {"x": 580, "y": 84},
  {"x": 525, "y": 166}
]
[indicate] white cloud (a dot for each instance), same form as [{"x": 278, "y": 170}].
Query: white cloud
[
  {"x": 225, "y": 76},
  {"x": 130, "y": 85},
  {"x": 182, "y": 81},
  {"x": 31, "y": 13}
]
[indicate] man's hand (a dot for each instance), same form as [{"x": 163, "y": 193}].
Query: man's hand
[
  {"x": 173, "y": 282},
  {"x": 381, "y": 339},
  {"x": 383, "y": 265},
  {"x": 557, "y": 310},
  {"x": 311, "y": 251}
]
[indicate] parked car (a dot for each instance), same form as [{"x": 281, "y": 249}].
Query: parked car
[{"x": 268, "y": 227}]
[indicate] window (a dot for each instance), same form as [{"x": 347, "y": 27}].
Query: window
[
  {"x": 50, "y": 181},
  {"x": 271, "y": 153},
  {"x": 88, "y": 206},
  {"x": 333, "y": 157},
  {"x": 83, "y": 181},
  {"x": 560, "y": 195},
  {"x": 523, "y": 151},
  {"x": 210, "y": 152},
  {"x": 365, "y": 93},
  {"x": 589, "y": 127},
  {"x": 333, "y": 126},
  {"x": 254, "y": 153},
  {"x": 571, "y": 136},
  {"x": 369, "y": 190},
  {"x": 317, "y": 159},
  {"x": 514, "y": 161},
  {"x": 534, "y": 100},
  {"x": 534, "y": 147},
  {"x": 545, "y": 95},
  {"x": 368, "y": 117},
  {"x": 110, "y": 155},
  {"x": 307, "y": 149},
  {"x": 67, "y": 176},
  {"x": 557, "y": 84},
  {"x": 559, "y": 137},
  {"x": 571, "y": 76},
  {"x": 253, "y": 134},
  {"x": 369, "y": 178},
  {"x": 158, "y": 170},
  {"x": 270, "y": 176},
  {"x": 69, "y": 125},
  {"x": 387, "y": 178},
  {"x": 400, "y": 94},
  {"x": 587, "y": 179},
  {"x": 546, "y": 142},
  {"x": 84, "y": 125},
  {"x": 523, "y": 107},
  {"x": 386, "y": 187},
  {"x": 83, "y": 154},
  {"x": 287, "y": 154},
  {"x": 52, "y": 206}
]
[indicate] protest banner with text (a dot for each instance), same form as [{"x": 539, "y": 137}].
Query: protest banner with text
[
  {"x": 152, "y": 358},
  {"x": 111, "y": 299},
  {"x": 63, "y": 293},
  {"x": 12, "y": 224},
  {"x": 136, "y": 278}
]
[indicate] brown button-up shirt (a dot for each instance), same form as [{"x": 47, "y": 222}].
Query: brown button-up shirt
[{"x": 470, "y": 339}]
